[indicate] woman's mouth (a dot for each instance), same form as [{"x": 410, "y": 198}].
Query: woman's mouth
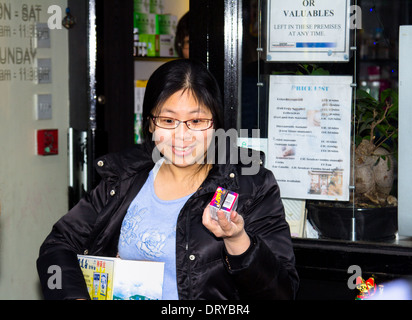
[{"x": 182, "y": 151}]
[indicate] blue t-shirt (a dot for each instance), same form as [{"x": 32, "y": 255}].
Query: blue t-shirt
[{"x": 148, "y": 232}]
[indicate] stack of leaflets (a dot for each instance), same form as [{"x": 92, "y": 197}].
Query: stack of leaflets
[{"x": 116, "y": 279}]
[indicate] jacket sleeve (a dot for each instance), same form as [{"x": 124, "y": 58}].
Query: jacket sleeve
[
  {"x": 57, "y": 265},
  {"x": 267, "y": 269}
]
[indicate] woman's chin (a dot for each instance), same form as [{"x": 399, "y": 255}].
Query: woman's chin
[{"x": 183, "y": 161}]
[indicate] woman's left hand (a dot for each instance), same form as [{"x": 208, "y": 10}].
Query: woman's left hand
[{"x": 233, "y": 232}]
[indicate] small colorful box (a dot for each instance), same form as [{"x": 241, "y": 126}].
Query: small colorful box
[{"x": 224, "y": 200}]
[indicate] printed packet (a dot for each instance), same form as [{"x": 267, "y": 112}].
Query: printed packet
[{"x": 224, "y": 200}]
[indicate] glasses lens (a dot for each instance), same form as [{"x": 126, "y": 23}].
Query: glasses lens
[
  {"x": 166, "y": 123},
  {"x": 199, "y": 124},
  {"x": 170, "y": 123}
]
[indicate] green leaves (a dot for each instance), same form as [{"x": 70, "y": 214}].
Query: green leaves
[{"x": 377, "y": 120}]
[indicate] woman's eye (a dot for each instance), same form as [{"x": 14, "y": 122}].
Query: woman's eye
[{"x": 167, "y": 121}]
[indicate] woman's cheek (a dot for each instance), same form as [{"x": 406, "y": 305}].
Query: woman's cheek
[
  {"x": 160, "y": 140},
  {"x": 210, "y": 134},
  {"x": 203, "y": 142}
]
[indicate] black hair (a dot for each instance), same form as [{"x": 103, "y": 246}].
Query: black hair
[
  {"x": 176, "y": 75},
  {"x": 182, "y": 31}
]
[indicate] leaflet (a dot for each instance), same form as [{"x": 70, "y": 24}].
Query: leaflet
[
  {"x": 117, "y": 279},
  {"x": 309, "y": 136}
]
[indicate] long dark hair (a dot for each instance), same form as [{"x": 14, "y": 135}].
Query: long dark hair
[{"x": 176, "y": 75}]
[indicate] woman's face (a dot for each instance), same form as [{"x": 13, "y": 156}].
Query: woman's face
[
  {"x": 181, "y": 146},
  {"x": 185, "y": 47}
]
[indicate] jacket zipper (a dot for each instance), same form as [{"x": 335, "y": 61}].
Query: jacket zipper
[
  {"x": 190, "y": 294},
  {"x": 187, "y": 255}
]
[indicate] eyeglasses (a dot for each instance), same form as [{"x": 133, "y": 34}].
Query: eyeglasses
[
  {"x": 193, "y": 124},
  {"x": 184, "y": 45}
]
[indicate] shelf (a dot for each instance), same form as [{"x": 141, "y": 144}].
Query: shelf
[{"x": 161, "y": 59}]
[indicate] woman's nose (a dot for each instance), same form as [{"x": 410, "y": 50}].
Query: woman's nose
[{"x": 183, "y": 133}]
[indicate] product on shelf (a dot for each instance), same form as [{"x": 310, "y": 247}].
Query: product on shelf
[{"x": 153, "y": 32}]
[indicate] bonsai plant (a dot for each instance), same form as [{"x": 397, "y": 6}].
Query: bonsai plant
[
  {"x": 376, "y": 144},
  {"x": 376, "y": 147}
]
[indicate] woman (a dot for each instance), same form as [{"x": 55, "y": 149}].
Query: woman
[
  {"x": 182, "y": 37},
  {"x": 161, "y": 192}
]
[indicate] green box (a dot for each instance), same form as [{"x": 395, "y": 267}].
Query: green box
[
  {"x": 142, "y": 6},
  {"x": 156, "y": 6},
  {"x": 145, "y": 22},
  {"x": 152, "y": 44},
  {"x": 167, "y": 24}
]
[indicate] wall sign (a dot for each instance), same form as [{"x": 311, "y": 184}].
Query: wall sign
[
  {"x": 308, "y": 30},
  {"x": 309, "y": 136},
  {"x": 21, "y": 34}
]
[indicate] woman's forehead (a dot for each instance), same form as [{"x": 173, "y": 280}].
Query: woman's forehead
[{"x": 183, "y": 102}]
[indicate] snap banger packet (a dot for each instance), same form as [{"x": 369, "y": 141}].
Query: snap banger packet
[{"x": 224, "y": 200}]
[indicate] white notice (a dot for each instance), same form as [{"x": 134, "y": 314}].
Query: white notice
[
  {"x": 309, "y": 30},
  {"x": 309, "y": 136}
]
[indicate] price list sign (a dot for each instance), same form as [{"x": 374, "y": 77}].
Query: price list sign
[
  {"x": 21, "y": 34},
  {"x": 309, "y": 136}
]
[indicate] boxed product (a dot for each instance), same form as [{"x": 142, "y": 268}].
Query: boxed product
[
  {"x": 139, "y": 90},
  {"x": 167, "y": 24},
  {"x": 142, "y": 6},
  {"x": 156, "y": 6},
  {"x": 116, "y": 279},
  {"x": 224, "y": 200},
  {"x": 167, "y": 45},
  {"x": 145, "y": 23},
  {"x": 152, "y": 44}
]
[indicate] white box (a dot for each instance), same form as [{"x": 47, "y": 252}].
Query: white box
[
  {"x": 110, "y": 278},
  {"x": 167, "y": 45}
]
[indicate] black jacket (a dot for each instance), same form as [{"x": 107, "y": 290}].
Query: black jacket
[{"x": 204, "y": 269}]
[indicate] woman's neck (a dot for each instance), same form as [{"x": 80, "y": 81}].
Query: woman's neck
[
  {"x": 175, "y": 182},
  {"x": 195, "y": 173}
]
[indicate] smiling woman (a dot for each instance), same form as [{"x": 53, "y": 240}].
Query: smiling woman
[
  {"x": 181, "y": 85},
  {"x": 153, "y": 204},
  {"x": 181, "y": 109}
]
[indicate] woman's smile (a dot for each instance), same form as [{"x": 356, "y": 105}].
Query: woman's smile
[{"x": 182, "y": 151}]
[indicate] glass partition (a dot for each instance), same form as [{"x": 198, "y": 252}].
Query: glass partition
[{"x": 319, "y": 81}]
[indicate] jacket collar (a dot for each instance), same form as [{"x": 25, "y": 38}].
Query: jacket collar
[
  {"x": 225, "y": 172},
  {"x": 119, "y": 166}
]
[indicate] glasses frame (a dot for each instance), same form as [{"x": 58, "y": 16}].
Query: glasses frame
[{"x": 181, "y": 121}]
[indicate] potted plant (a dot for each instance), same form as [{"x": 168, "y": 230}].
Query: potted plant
[
  {"x": 371, "y": 213},
  {"x": 376, "y": 148}
]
